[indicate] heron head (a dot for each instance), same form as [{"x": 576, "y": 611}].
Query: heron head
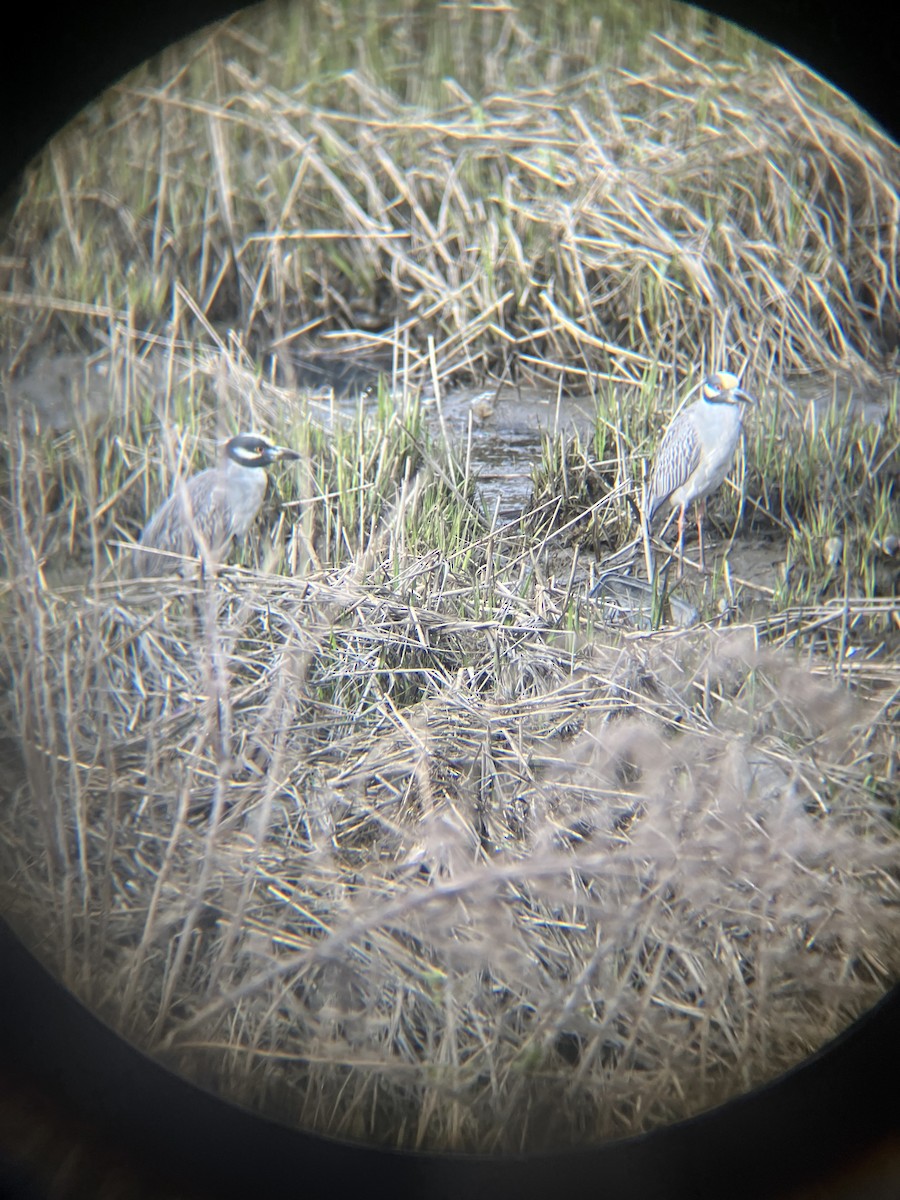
[
  {"x": 253, "y": 450},
  {"x": 724, "y": 388}
]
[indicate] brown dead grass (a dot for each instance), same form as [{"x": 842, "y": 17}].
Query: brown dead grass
[
  {"x": 383, "y": 835},
  {"x": 389, "y": 872},
  {"x": 617, "y": 220}
]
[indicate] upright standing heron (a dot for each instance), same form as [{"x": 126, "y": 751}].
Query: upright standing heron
[
  {"x": 206, "y": 512},
  {"x": 696, "y": 452}
]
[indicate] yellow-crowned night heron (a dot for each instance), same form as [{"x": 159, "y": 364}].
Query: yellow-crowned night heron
[
  {"x": 696, "y": 452},
  {"x": 207, "y": 511}
]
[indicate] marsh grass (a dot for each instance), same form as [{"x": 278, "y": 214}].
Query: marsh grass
[
  {"x": 404, "y": 845},
  {"x": 286, "y": 196},
  {"x": 394, "y": 871},
  {"x": 379, "y": 829}
]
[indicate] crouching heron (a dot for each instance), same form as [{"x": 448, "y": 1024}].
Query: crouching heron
[{"x": 207, "y": 511}]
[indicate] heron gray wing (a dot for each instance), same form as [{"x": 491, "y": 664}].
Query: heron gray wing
[
  {"x": 209, "y": 510},
  {"x": 164, "y": 532},
  {"x": 199, "y": 505},
  {"x": 676, "y": 460}
]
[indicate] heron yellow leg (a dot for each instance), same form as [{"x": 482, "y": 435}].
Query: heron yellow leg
[
  {"x": 701, "y": 513},
  {"x": 681, "y": 512}
]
